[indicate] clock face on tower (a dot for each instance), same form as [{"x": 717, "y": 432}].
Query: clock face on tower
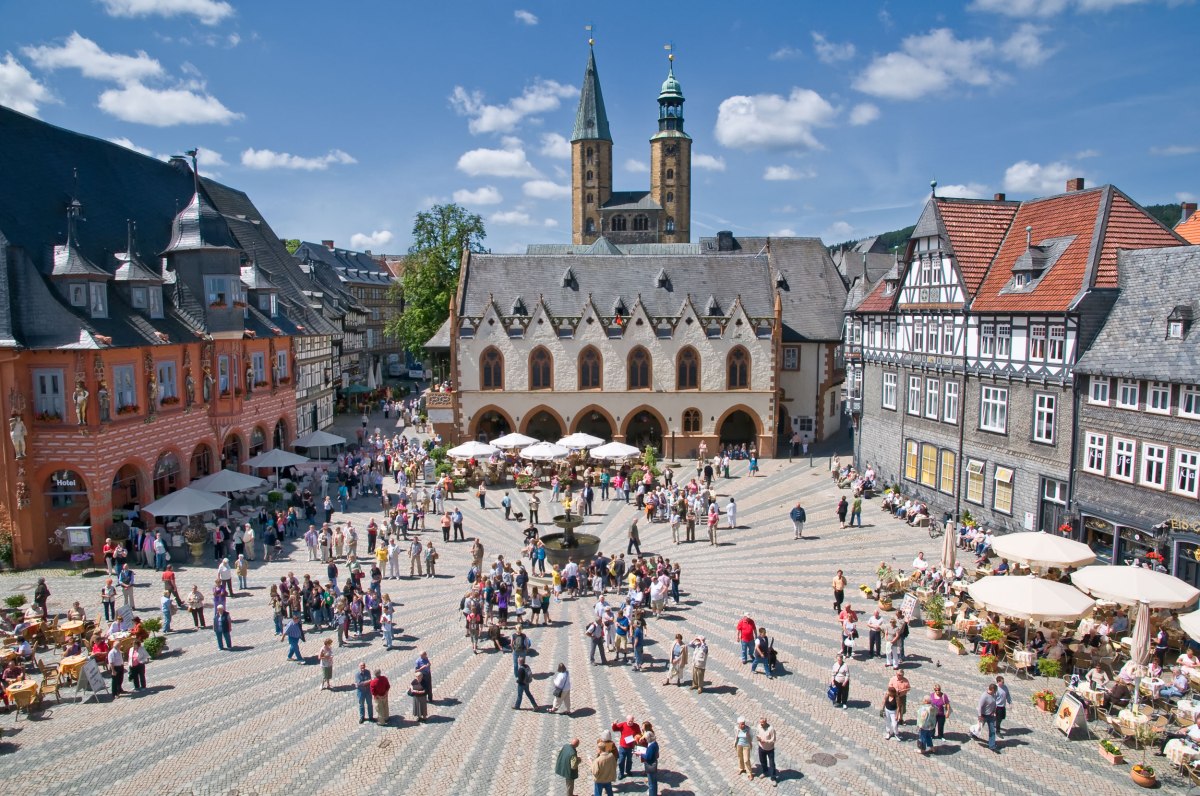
[{"x": 671, "y": 149}]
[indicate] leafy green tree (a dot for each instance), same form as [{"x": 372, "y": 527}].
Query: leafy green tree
[
  {"x": 292, "y": 244},
  {"x": 430, "y": 276}
]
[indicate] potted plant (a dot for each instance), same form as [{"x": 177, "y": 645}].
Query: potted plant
[
  {"x": 987, "y": 664},
  {"x": 15, "y": 601},
  {"x": 957, "y": 647},
  {"x": 1144, "y": 736},
  {"x": 196, "y": 536},
  {"x": 1048, "y": 667},
  {"x": 1111, "y": 752},
  {"x": 1046, "y": 701},
  {"x": 154, "y": 645},
  {"x": 274, "y": 496},
  {"x": 935, "y": 615}
]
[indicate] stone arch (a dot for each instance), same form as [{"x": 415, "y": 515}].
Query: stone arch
[
  {"x": 257, "y": 442},
  {"x": 62, "y": 491},
  {"x": 533, "y": 413},
  {"x": 481, "y": 422},
  {"x": 233, "y": 450},
  {"x": 196, "y": 460},
  {"x": 130, "y": 483},
  {"x": 587, "y": 424},
  {"x": 640, "y": 431},
  {"x": 279, "y": 436},
  {"x": 755, "y": 420},
  {"x": 165, "y": 478}
]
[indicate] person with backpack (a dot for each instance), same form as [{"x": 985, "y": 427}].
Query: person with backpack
[
  {"x": 524, "y": 676},
  {"x": 763, "y": 649},
  {"x": 595, "y": 632}
]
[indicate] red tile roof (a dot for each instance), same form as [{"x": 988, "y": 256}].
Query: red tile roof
[
  {"x": 877, "y": 300},
  {"x": 975, "y": 229},
  {"x": 1128, "y": 227},
  {"x": 1190, "y": 230}
]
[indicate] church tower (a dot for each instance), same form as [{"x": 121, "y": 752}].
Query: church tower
[
  {"x": 591, "y": 157},
  {"x": 671, "y": 164}
]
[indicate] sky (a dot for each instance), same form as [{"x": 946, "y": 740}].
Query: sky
[{"x": 343, "y": 120}]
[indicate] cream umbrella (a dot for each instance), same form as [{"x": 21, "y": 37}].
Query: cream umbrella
[
  {"x": 544, "y": 451},
  {"x": 227, "y": 481},
  {"x": 1128, "y": 585},
  {"x": 1042, "y": 550},
  {"x": 186, "y": 502},
  {"x": 513, "y": 440},
  {"x": 276, "y": 459},
  {"x": 579, "y": 440},
  {"x": 1029, "y": 597},
  {"x": 949, "y": 549},
  {"x": 614, "y": 451},
  {"x": 472, "y": 450},
  {"x": 1139, "y": 643},
  {"x": 1191, "y": 624}
]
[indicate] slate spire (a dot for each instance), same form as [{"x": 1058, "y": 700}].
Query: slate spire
[{"x": 591, "y": 121}]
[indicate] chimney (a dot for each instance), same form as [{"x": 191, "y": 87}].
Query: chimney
[
  {"x": 999, "y": 197},
  {"x": 328, "y": 244},
  {"x": 1074, "y": 184},
  {"x": 724, "y": 241},
  {"x": 1187, "y": 210}
]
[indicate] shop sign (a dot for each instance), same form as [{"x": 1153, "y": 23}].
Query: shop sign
[
  {"x": 1098, "y": 525},
  {"x": 1177, "y": 525}
]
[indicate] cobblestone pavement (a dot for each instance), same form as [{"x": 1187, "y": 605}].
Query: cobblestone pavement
[{"x": 248, "y": 722}]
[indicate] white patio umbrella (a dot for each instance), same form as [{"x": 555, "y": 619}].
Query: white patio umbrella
[
  {"x": 276, "y": 458},
  {"x": 1029, "y": 597},
  {"x": 579, "y": 440},
  {"x": 472, "y": 450},
  {"x": 613, "y": 450},
  {"x": 949, "y": 549},
  {"x": 1139, "y": 644},
  {"x": 544, "y": 451},
  {"x": 1042, "y": 550},
  {"x": 186, "y": 502},
  {"x": 513, "y": 440},
  {"x": 371, "y": 382},
  {"x": 319, "y": 439},
  {"x": 1133, "y": 585},
  {"x": 1191, "y": 624},
  {"x": 227, "y": 481}
]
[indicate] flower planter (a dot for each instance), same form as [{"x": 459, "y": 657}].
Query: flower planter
[
  {"x": 956, "y": 649},
  {"x": 935, "y": 633},
  {"x": 1046, "y": 706},
  {"x": 885, "y": 605},
  {"x": 1143, "y": 777},
  {"x": 196, "y": 549},
  {"x": 1113, "y": 759}
]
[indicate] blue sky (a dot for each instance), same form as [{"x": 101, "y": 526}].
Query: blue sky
[{"x": 342, "y": 120}]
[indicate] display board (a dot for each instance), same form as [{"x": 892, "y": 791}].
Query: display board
[
  {"x": 1071, "y": 714},
  {"x": 90, "y": 681}
]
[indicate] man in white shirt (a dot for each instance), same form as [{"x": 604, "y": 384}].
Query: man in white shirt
[
  {"x": 874, "y": 634},
  {"x": 919, "y": 563}
]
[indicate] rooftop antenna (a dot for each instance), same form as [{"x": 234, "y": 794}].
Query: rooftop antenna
[
  {"x": 933, "y": 188},
  {"x": 1028, "y": 237},
  {"x": 129, "y": 238},
  {"x": 74, "y": 207}
]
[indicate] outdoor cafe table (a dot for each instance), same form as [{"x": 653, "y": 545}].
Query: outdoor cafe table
[
  {"x": 1129, "y": 717},
  {"x": 1024, "y": 659},
  {"x": 21, "y": 685},
  {"x": 71, "y": 628},
  {"x": 1151, "y": 685},
  {"x": 1188, "y": 707},
  {"x": 1179, "y": 752},
  {"x": 1092, "y": 695},
  {"x": 7, "y": 654},
  {"x": 69, "y": 666}
]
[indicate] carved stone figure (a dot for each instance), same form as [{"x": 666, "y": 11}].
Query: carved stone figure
[
  {"x": 17, "y": 432},
  {"x": 208, "y": 384},
  {"x": 24, "y": 498},
  {"x": 80, "y": 397},
  {"x": 102, "y": 397},
  {"x": 153, "y": 390},
  {"x": 249, "y": 379},
  {"x": 189, "y": 389}
]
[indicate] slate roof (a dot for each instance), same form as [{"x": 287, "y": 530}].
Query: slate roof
[
  {"x": 630, "y": 200},
  {"x": 199, "y": 226},
  {"x": 359, "y": 268},
  {"x": 132, "y": 269},
  {"x": 621, "y": 248},
  {"x": 1133, "y": 342},
  {"x": 1189, "y": 230},
  {"x": 440, "y": 339},
  {"x": 591, "y": 120}
]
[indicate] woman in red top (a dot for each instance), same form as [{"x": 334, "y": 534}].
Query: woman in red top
[
  {"x": 100, "y": 649},
  {"x": 108, "y": 555}
]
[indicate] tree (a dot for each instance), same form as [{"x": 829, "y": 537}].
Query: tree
[
  {"x": 292, "y": 244},
  {"x": 430, "y": 276}
]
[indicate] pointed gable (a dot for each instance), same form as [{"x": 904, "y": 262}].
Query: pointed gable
[
  {"x": 1128, "y": 226},
  {"x": 974, "y": 229}
]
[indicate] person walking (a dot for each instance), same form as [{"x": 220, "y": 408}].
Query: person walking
[
  {"x": 679, "y": 655},
  {"x": 987, "y": 715},
  {"x": 941, "y": 708},
  {"x": 627, "y": 732},
  {"x": 1003, "y": 700},
  {"x": 242, "y": 568},
  {"x": 195, "y": 604},
  {"x": 635, "y": 540},
  {"x": 902, "y": 686},
  {"x": 566, "y": 765},
  {"x": 743, "y": 742},
  {"x": 891, "y": 703},
  {"x": 926, "y": 721},
  {"x": 839, "y": 591},
  {"x": 362, "y": 687},
  {"x": 524, "y": 676},
  {"x": 764, "y": 735},
  {"x": 221, "y": 625},
  {"x": 138, "y": 658},
  {"x": 506, "y": 503},
  {"x": 843, "y": 507},
  {"x": 325, "y": 657},
  {"x": 168, "y": 609},
  {"x": 762, "y": 654},
  {"x": 294, "y": 633},
  {"x": 481, "y": 493},
  {"x": 746, "y": 632},
  {"x": 731, "y": 513},
  {"x": 595, "y": 632},
  {"x": 379, "y": 687},
  {"x": 604, "y": 767},
  {"x": 891, "y": 644},
  {"x": 561, "y": 685},
  {"x": 840, "y": 680},
  {"x": 856, "y": 512},
  {"x": 799, "y": 517},
  {"x": 699, "y": 661}
]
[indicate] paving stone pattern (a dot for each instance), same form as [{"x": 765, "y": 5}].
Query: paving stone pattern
[{"x": 249, "y": 722}]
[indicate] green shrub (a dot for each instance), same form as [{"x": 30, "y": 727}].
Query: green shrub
[
  {"x": 438, "y": 454},
  {"x": 987, "y": 664},
  {"x": 992, "y": 633},
  {"x": 1048, "y": 667},
  {"x": 154, "y": 645},
  {"x": 15, "y": 600},
  {"x": 274, "y": 496},
  {"x": 290, "y": 486},
  {"x": 442, "y": 468},
  {"x": 153, "y": 624}
]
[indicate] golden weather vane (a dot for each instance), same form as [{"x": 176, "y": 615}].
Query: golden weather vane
[{"x": 591, "y": 29}]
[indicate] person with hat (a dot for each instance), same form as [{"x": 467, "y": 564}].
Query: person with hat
[{"x": 699, "y": 662}]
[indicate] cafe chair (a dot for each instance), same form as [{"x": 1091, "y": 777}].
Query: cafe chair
[
  {"x": 23, "y": 700},
  {"x": 49, "y": 685},
  {"x": 1192, "y": 772},
  {"x": 44, "y": 669}
]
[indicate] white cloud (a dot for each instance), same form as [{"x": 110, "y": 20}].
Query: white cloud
[
  {"x": 81, "y": 53},
  {"x": 233, "y": 40},
  {"x": 207, "y": 159},
  {"x": 1047, "y": 8},
  {"x": 708, "y": 162},
  {"x": 635, "y": 166},
  {"x": 165, "y": 107},
  {"x": 507, "y": 162},
  {"x": 1185, "y": 196},
  {"x": 18, "y": 88},
  {"x": 210, "y": 12},
  {"x": 863, "y": 113},
  {"x": 540, "y": 97},
  {"x": 766, "y": 121},
  {"x": 1084, "y": 154},
  {"x": 838, "y": 231},
  {"x": 786, "y": 232},
  {"x": 485, "y": 195},
  {"x": 375, "y": 241},
  {"x": 831, "y": 52},
  {"x": 525, "y": 17},
  {"x": 935, "y": 61},
  {"x": 786, "y": 53},
  {"x": 545, "y": 189},
  {"x": 516, "y": 218},
  {"x": 550, "y": 222},
  {"x": 555, "y": 146},
  {"x": 970, "y": 190},
  {"x": 1174, "y": 150},
  {"x": 780, "y": 173},
  {"x": 262, "y": 159},
  {"x": 1038, "y": 179}
]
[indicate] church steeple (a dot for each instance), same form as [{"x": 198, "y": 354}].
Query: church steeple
[
  {"x": 591, "y": 157},
  {"x": 670, "y": 103},
  {"x": 591, "y": 121},
  {"x": 671, "y": 163}
]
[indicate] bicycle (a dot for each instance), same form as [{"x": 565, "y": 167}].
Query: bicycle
[{"x": 936, "y": 528}]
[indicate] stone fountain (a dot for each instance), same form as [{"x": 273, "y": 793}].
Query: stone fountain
[{"x": 567, "y": 545}]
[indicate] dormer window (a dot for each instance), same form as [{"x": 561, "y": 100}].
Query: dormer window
[
  {"x": 154, "y": 294},
  {"x": 137, "y": 296},
  {"x": 889, "y": 287},
  {"x": 98, "y": 305},
  {"x": 1179, "y": 322},
  {"x": 1175, "y": 330},
  {"x": 78, "y": 294}
]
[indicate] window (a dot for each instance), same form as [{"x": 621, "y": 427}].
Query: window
[
  {"x": 1187, "y": 470},
  {"x": 124, "y": 388},
  {"x": 691, "y": 421},
  {"x": 993, "y": 409},
  {"x": 281, "y": 365},
  {"x": 591, "y": 198},
  {"x": 539, "y": 370},
  {"x": 933, "y": 396},
  {"x": 948, "y": 336},
  {"x": 1002, "y": 497},
  {"x": 1037, "y": 341},
  {"x": 912, "y": 461},
  {"x": 1174, "y": 330},
  {"x": 929, "y": 459},
  {"x": 1095, "y": 448},
  {"x": 950, "y": 403},
  {"x": 99, "y": 303},
  {"x": 791, "y": 358},
  {"x": 641, "y": 223},
  {"x": 933, "y": 335},
  {"x": 669, "y": 226},
  {"x": 1127, "y": 393},
  {"x": 914, "y": 395},
  {"x": 137, "y": 296},
  {"x": 258, "y": 363},
  {"x": 164, "y": 373},
  {"x": 1189, "y": 401},
  {"x": 687, "y": 370},
  {"x": 48, "y": 394},
  {"x": 1158, "y": 398},
  {"x": 589, "y": 154},
  {"x": 590, "y": 226},
  {"x": 79, "y": 294},
  {"x": 1124, "y": 455},
  {"x": 223, "y": 374},
  {"x": 216, "y": 289},
  {"x": 946, "y": 482},
  {"x": 975, "y": 482},
  {"x": 1056, "y": 352},
  {"x": 918, "y": 335},
  {"x": 619, "y": 223},
  {"x": 670, "y": 174},
  {"x": 1154, "y": 465},
  {"x": 1003, "y": 341},
  {"x": 639, "y": 369},
  {"x": 888, "y": 391},
  {"x": 491, "y": 370},
  {"x": 1044, "y": 406},
  {"x": 589, "y": 369},
  {"x": 670, "y": 196},
  {"x": 987, "y": 340},
  {"x": 1098, "y": 387},
  {"x": 738, "y": 369},
  {"x": 590, "y": 176}
]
